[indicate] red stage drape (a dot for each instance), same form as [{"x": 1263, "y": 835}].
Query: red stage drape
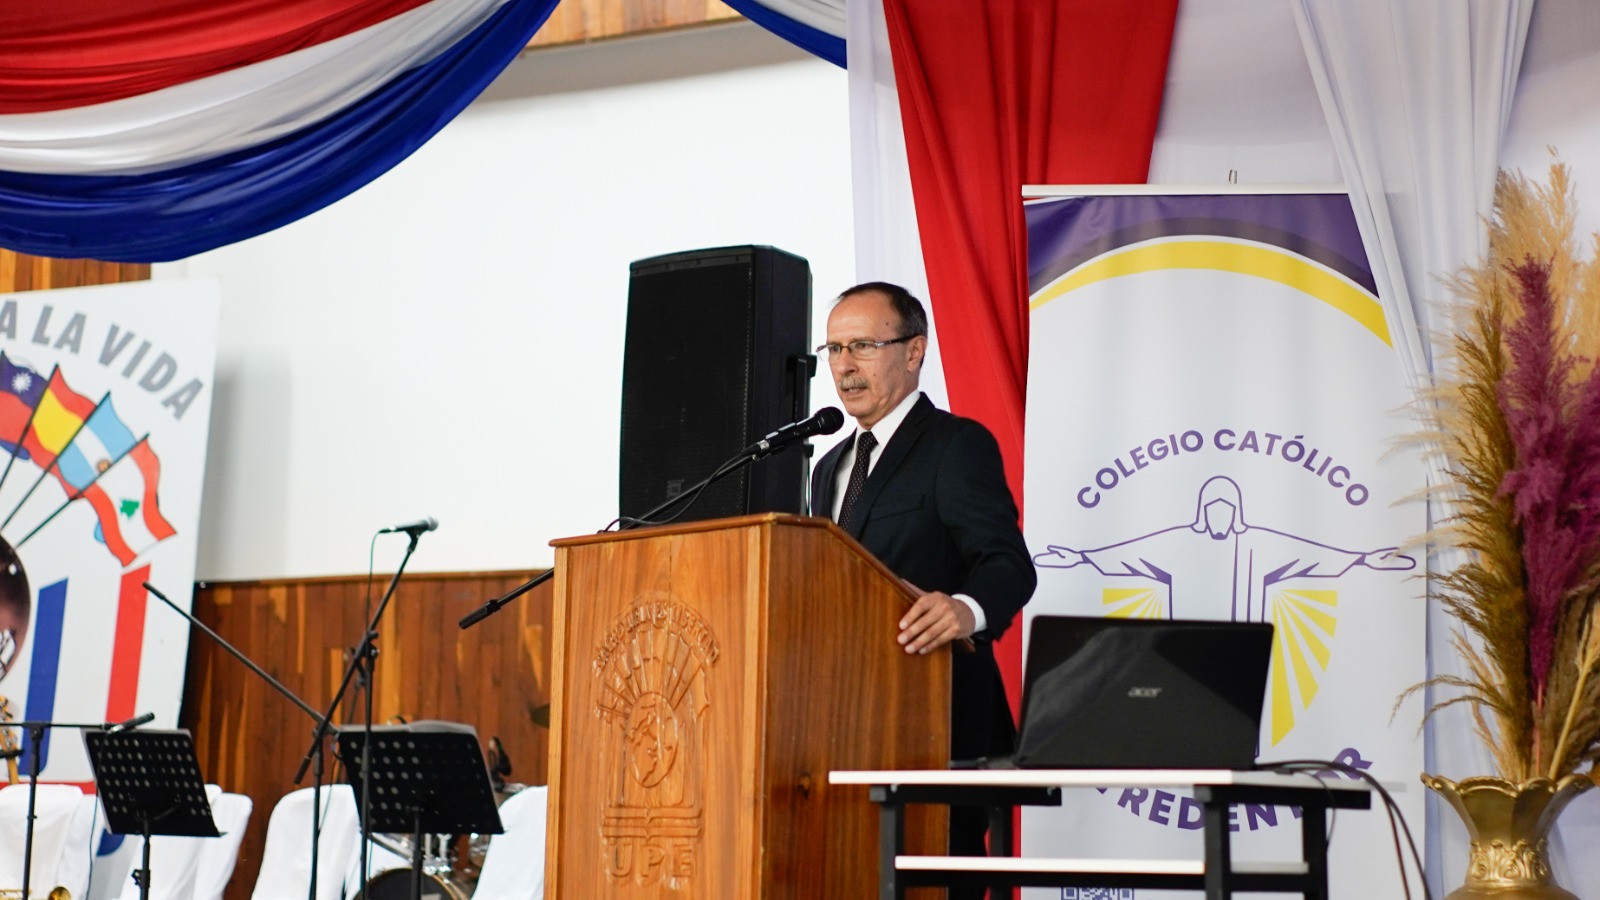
[
  {"x": 995, "y": 95},
  {"x": 63, "y": 53}
]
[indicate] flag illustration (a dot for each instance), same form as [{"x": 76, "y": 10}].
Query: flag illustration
[
  {"x": 20, "y": 390},
  {"x": 124, "y": 500},
  {"x": 56, "y": 420},
  {"x": 102, "y": 441}
]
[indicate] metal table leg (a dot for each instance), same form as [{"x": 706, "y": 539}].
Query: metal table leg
[{"x": 891, "y": 841}]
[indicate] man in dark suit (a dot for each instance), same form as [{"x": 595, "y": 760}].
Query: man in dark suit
[{"x": 926, "y": 493}]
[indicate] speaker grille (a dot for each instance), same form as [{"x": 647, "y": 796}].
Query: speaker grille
[{"x": 686, "y": 392}]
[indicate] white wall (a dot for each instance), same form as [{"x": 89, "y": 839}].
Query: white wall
[{"x": 448, "y": 340}]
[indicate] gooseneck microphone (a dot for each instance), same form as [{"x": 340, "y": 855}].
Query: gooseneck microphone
[
  {"x": 412, "y": 528},
  {"x": 826, "y": 421}
]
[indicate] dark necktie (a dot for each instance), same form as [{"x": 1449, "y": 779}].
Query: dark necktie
[{"x": 865, "y": 442}]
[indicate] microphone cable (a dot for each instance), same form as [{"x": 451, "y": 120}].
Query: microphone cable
[{"x": 685, "y": 500}]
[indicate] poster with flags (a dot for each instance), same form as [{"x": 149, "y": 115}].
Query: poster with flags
[
  {"x": 1214, "y": 403},
  {"x": 105, "y": 406}
]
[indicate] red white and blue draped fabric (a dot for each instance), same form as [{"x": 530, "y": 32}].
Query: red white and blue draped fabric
[
  {"x": 817, "y": 26},
  {"x": 151, "y": 130}
]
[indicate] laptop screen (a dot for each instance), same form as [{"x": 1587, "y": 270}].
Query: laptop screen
[{"x": 1142, "y": 693}]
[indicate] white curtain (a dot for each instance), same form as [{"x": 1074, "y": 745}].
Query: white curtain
[
  {"x": 1239, "y": 99},
  {"x": 1417, "y": 95},
  {"x": 888, "y": 244}
]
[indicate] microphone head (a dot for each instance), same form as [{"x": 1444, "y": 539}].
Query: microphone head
[
  {"x": 412, "y": 528},
  {"x": 829, "y": 419}
]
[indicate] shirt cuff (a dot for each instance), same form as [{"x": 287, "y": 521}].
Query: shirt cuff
[{"x": 978, "y": 617}]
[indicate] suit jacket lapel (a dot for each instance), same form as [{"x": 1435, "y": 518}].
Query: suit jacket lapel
[
  {"x": 822, "y": 481},
  {"x": 892, "y": 455}
]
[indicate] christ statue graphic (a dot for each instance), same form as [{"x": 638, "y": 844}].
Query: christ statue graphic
[{"x": 1218, "y": 565}]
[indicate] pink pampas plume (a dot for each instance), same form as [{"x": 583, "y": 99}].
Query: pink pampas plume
[{"x": 1554, "y": 425}]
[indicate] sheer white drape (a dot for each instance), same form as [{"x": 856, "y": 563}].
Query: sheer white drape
[
  {"x": 888, "y": 244},
  {"x": 1417, "y": 96}
]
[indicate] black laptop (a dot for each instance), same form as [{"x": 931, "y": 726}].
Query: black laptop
[{"x": 1107, "y": 693}]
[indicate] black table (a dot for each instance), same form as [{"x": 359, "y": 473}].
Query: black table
[{"x": 1004, "y": 790}]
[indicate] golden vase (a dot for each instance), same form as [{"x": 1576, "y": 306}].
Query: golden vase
[{"x": 1509, "y": 825}]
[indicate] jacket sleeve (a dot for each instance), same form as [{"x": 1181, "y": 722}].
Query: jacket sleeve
[{"x": 975, "y": 505}]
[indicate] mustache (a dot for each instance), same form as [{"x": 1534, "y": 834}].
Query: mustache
[{"x": 849, "y": 383}]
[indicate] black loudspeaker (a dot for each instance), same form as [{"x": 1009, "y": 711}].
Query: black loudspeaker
[{"x": 717, "y": 356}]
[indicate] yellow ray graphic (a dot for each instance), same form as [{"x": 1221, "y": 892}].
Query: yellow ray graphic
[
  {"x": 1304, "y": 620},
  {"x": 1132, "y": 603},
  {"x": 1278, "y": 700}
]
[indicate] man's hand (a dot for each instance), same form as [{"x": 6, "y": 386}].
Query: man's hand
[{"x": 934, "y": 620}]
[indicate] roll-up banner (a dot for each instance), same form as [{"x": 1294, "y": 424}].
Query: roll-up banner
[
  {"x": 105, "y": 402},
  {"x": 1214, "y": 400}
]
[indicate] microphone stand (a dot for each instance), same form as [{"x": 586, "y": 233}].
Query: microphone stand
[
  {"x": 744, "y": 458},
  {"x": 36, "y": 732},
  {"x": 361, "y": 660},
  {"x": 316, "y": 789}
]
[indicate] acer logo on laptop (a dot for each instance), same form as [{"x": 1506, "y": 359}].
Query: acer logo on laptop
[{"x": 1144, "y": 693}]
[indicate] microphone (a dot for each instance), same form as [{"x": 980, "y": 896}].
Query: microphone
[
  {"x": 826, "y": 421},
  {"x": 412, "y": 528},
  {"x": 132, "y": 723}
]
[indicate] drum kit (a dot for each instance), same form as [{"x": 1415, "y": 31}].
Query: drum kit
[
  {"x": 445, "y": 875},
  {"x": 450, "y": 863}
]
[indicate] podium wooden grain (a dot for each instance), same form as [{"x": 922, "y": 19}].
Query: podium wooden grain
[{"x": 706, "y": 679}]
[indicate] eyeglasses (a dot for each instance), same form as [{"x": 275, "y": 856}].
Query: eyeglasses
[{"x": 860, "y": 349}]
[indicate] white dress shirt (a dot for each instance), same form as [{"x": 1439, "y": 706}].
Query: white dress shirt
[{"x": 884, "y": 431}]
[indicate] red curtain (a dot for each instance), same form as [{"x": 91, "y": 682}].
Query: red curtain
[
  {"x": 62, "y": 53},
  {"x": 994, "y": 95}
]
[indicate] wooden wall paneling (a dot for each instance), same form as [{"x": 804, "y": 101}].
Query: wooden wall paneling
[
  {"x": 21, "y": 272},
  {"x": 250, "y": 740},
  {"x": 613, "y": 16},
  {"x": 517, "y": 666},
  {"x": 438, "y": 692},
  {"x": 582, "y": 21},
  {"x": 480, "y": 660},
  {"x": 401, "y": 668}
]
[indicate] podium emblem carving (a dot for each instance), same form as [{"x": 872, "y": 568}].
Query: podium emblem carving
[{"x": 651, "y": 673}]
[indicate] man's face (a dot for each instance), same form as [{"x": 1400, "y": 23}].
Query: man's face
[{"x": 870, "y": 388}]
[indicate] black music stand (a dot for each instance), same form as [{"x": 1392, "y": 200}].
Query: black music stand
[
  {"x": 149, "y": 783},
  {"x": 426, "y": 778}
]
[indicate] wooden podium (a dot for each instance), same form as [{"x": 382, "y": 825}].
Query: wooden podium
[{"x": 707, "y": 678}]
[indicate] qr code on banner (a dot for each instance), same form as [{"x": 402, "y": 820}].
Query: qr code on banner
[{"x": 1097, "y": 894}]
